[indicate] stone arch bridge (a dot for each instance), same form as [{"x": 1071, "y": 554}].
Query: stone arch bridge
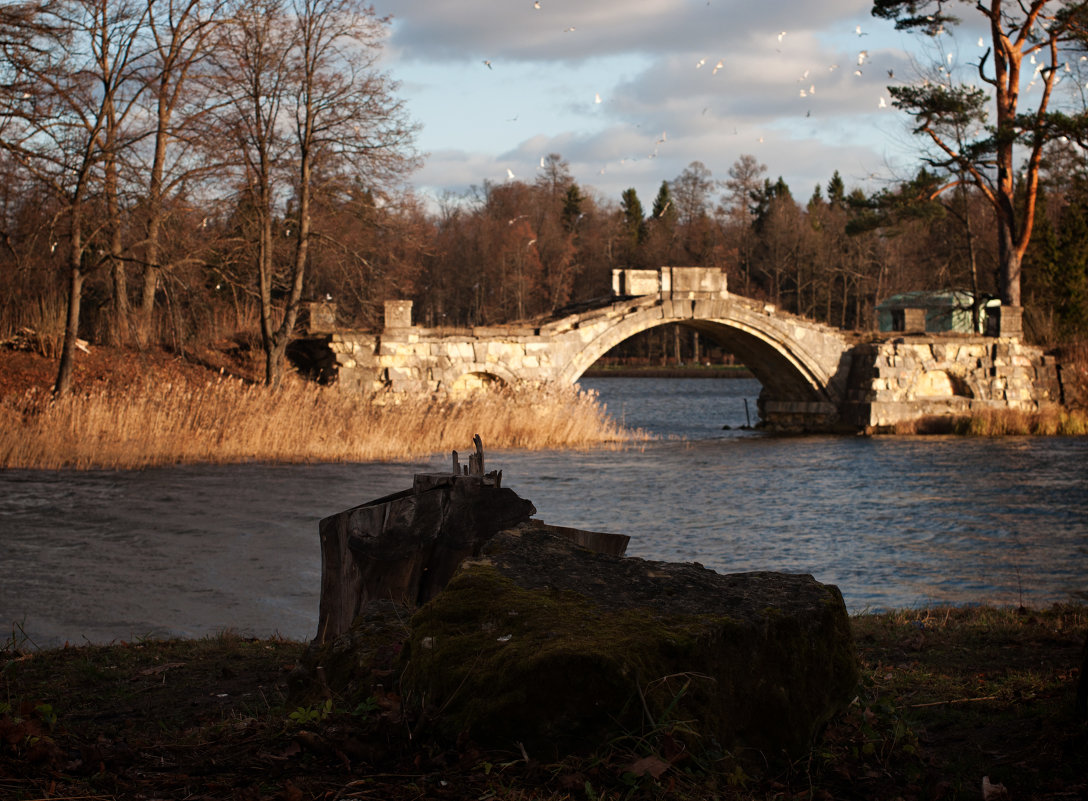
[{"x": 814, "y": 377}]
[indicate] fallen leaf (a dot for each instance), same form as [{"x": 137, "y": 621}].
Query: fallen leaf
[{"x": 654, "y": 765}]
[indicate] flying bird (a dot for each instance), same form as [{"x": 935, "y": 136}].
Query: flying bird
[
  {"x": 487, "y": 63},
  {"x": 857, "y": 30},
  {"x": 702, "y": 61},
  {"x": 781, "y": 36},
  {"x": 864, "y": 54},
  {"x": 717, "y": 67},
  {"x": 568, "y": 30},
  {"x": 509, "y": 174},
  {"x": 597, "y": 98},
  {"x": 882, "y": 104},
  {"x": 536, "y": 5}
]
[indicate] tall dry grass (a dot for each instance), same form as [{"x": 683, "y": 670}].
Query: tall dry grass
[
  {"x": 228, "y": 421},
  {"x": 1049, "y": 421}
]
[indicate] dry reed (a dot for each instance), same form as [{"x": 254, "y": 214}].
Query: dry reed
[
  {"x": 1048, "y": 421},
  {"x": 228, "y": 421}
]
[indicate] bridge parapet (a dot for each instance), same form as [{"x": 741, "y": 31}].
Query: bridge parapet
[{"x": 670, "y": 282}]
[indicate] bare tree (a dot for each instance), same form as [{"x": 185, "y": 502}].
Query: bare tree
[
  {"x": 60, "y": 109},
  {"x": 308, "y": 105},
  {"x": 179, "y": 34}
]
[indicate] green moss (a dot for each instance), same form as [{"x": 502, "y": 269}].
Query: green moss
[{"x": 547, "y": 667}]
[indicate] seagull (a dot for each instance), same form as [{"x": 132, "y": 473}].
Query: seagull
[
  {"x": 891, "y": 74},
  {"x": 980, "y": 42},
  {"x": 509, "y": 174},
  {"x": 804, "y": 93},
  {"x": 864, "y": 54},
  {"x": 487, "y": 63},
  {"x": 857, "y": 30},
  {"x": 781, "y": 36},
  {"x": 882, "y": 104},
  {"x": 536, "y": 5},
  {"x": 717, "y": 67},
  {"x": 597, "y": 98},
  {"x": 857, "y": 72},
  {"x": 568, "y": 30}
]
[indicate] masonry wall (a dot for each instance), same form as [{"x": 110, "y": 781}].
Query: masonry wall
[{"x": 911, "y": 377}]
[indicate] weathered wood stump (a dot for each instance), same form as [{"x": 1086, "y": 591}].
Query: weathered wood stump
[{"x": 404, "y": 547}]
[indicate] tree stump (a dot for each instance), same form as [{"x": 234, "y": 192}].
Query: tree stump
[{"x": 405, "y": 547}]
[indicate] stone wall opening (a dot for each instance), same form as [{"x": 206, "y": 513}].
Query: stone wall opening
[{"x": 473, "y": 382}]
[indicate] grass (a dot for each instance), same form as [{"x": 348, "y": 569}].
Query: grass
[
  {"x": 1049, "y": 421},
  {"x": 226, "y": 420},
  {"x": 946, "y": 697}
]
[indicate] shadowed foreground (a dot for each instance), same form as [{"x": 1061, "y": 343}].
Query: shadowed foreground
[{"x": 948, "y": 699}]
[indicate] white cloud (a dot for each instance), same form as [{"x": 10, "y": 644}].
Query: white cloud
[{"x": 539, "y": 94}]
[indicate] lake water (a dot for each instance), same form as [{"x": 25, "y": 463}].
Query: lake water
[{"x": 895, "y": 522}]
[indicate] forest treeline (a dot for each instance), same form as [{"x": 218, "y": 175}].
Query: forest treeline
[{"x": 173, "y": 172}]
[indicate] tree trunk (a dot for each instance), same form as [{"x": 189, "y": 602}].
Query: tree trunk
[{"x": 63, "y": 383}]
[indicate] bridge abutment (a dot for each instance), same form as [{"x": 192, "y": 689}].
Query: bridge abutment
[{"x": 907, "y": 378}]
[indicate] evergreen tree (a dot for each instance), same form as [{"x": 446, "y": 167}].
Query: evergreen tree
[
  {"x": 836, "y": 191},
  {"x": 664, "y": 208}
]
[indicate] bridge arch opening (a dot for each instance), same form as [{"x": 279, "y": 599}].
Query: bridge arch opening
[{"x": 783, "y": 374}]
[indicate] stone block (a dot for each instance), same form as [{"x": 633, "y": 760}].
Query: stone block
[{"x": 398, "y": 313}]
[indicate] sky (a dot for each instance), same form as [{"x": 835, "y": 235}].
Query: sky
[{"x": 630, "y": 93}]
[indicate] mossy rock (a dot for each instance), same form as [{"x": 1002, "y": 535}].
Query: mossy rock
[{"x": 551, "y": 645}]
